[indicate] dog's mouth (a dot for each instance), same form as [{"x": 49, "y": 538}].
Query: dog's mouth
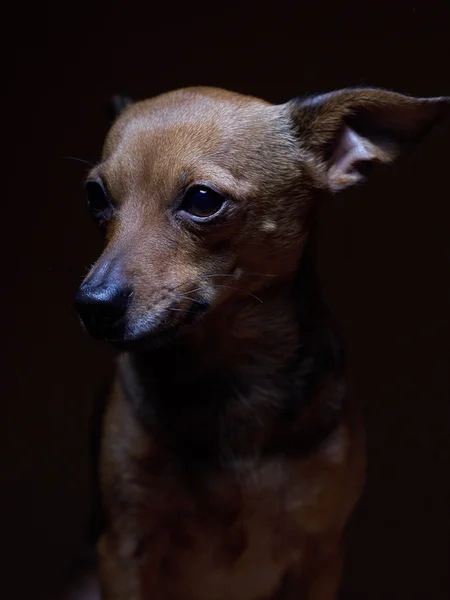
[{"x": 158, "y": 329}]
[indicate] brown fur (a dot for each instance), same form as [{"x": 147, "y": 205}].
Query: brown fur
[{"x": 231, "y": 456}]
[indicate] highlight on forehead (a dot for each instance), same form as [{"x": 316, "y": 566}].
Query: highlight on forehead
[
  {"x": 189, "y": 108},
  {"x": 200, "y": 98}
]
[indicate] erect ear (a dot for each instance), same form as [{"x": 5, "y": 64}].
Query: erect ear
[
  {"x": 116, "y": 105},
  {"x": 347, "y": 131}
]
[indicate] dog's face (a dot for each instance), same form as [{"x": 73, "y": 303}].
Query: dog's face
[{"x": 206, "y": 196}]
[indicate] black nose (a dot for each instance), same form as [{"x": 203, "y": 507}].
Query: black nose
[{"x": 102, "y": 308}]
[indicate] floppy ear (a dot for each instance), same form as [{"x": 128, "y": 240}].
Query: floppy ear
[
  {"x": 346, "y": 132},
  {"x": 116, "y": 105}
]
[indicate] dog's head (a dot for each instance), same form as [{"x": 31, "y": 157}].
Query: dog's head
[{"x": 206, "y": 196}]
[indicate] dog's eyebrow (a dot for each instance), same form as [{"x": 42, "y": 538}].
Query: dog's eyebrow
[
  {"x": 95, "y": 173},
  {"x": 222, "y": 179}
]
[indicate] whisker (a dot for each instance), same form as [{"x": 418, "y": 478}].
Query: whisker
[
  {"x": 191, "y": 292},
  {"x": 223, "y": 275},
  {"x": 217, "y": 275},
  {"x": 239, "y": 290},
  {"x": 189, "y": 298},
  {"x": 233, "y": 275},
  {"x": 179, "y": 310},
  {"x": 86, "y": 162}
]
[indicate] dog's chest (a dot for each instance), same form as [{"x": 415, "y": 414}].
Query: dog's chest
[
  {"x": 223, "y": 537},
  {"x": 213, "y": 533}
]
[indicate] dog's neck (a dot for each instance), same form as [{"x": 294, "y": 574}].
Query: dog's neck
[{"x": 239, "y": 370}]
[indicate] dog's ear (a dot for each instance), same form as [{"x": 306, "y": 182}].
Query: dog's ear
[
  {"x": 346, "y": 132},
  {"x": 116, "y": 105}
]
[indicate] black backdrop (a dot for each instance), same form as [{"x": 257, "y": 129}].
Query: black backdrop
[{"x": 384, "y": 258}]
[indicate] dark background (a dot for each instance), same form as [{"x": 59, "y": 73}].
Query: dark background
[{"x": 384, "y": 258}]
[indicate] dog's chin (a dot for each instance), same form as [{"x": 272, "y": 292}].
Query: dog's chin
[
  {"x": 147, "y": 337},
  {"x": 147, "y": 340}
]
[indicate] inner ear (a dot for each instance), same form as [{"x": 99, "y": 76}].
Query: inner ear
[
  {"x": 116, "y": 105},
  {"x": 354, "y": 156}
]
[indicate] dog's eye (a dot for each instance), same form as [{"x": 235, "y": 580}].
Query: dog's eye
[
  {"x": 202, "y": 202},
  {"x": 97, "y": 196}
]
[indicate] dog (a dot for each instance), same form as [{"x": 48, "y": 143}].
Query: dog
[{"x": 231, "y": 456}]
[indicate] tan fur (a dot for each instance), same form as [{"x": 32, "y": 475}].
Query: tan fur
[
  {"x": 262, "y": 518},
  {"x": 238, "y": 534}
]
